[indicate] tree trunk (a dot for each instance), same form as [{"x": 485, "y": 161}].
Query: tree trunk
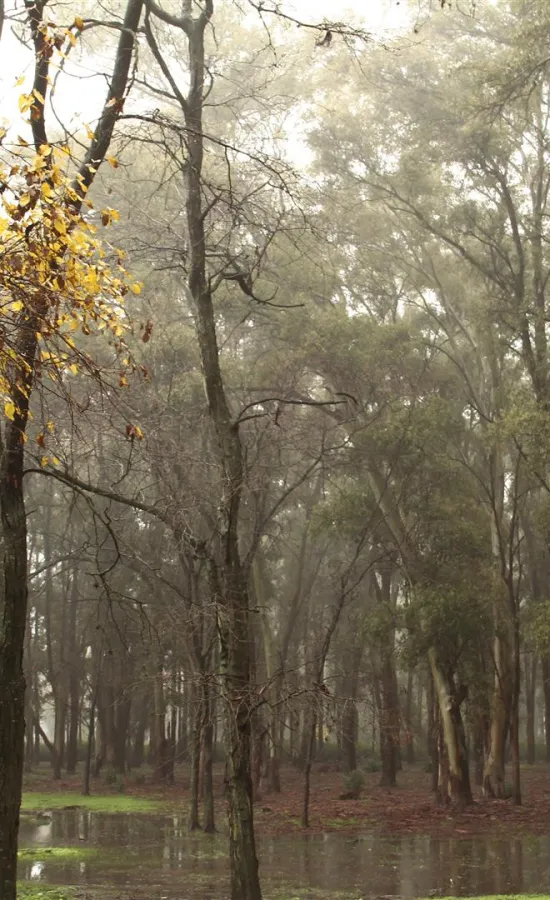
[
  {"x": 194, "y": 821},
  {"x": 546, "y": 692},
  {"x": 207, "y": 756},
  {"x": 13, "y": 618},
  {"x": 309, "y": 749},
  {"x": 433, "y": 731},
  {"x": 458, "y": 789},
  {"x": 389, "y": 720},
  {"x": 531, "y": 664},
  {"x": 138, "y": 749},
  {"x": 514, "y": 712},
  {"x": 494, "y": 782},
  {"x": 89, "y": 749},
  {"x": 349, "y": 734},
  {"x": 409, "y": 737}
]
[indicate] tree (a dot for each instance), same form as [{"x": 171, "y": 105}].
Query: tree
[{"x": 52, "y": 274}]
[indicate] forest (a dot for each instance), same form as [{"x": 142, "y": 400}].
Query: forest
[{"x": 274, "y": 449}]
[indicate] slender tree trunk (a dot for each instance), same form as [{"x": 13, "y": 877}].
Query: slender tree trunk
[
  {"x": 207, "y": 755},
  {"x": 410, "y": 755},
  {"x": 309, "y": 751},
  {"x": 89, "y": 749},
  {"x": 514, "y": 717},
  {"x": 545, "y": 666},
  {"x": 389, "y": 720},
  {"x": 349, "y": 734},
  {"x": 198, "y": 717},
  {"x": 531, "y": 664},
  {"x": 433, "y": 730},
  {"x": 138, "y": 749},
  {"x": 494, "y": 781}
]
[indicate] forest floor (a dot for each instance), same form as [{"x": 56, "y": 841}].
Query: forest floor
[{"x": 407, "y": 809}]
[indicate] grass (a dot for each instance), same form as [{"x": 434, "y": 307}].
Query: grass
[
  {"x": 26, "y": 891},
  {"x": 343, "y": 822},
  {"x": 40, "y": 854},
  {"x": 36, "y": 801}
]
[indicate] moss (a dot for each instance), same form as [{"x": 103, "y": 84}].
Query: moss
[{"x": 109, "y": 803}]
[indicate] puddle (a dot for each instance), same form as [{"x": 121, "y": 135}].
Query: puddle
[{"x": 158, "y": 853}]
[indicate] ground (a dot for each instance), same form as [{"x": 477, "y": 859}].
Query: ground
[{"x": 408, "y": 809}]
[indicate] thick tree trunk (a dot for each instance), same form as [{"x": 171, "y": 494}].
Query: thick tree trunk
[
  {"x": 389, "y": 720},
  {"x": 13, "y": 618},
  {"x": 458, "y": 788}
]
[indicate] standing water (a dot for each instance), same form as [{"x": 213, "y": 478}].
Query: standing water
[{"x": 158, "y": 855}]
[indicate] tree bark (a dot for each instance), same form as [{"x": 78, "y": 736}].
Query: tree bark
[
  {"x": 531, "y": 665},
  {"x": 494, "y": 780},
  {"x": 208, "y": 758},
  {"x": 546, "y": 691},
  {"x": 458, "y": 788}
]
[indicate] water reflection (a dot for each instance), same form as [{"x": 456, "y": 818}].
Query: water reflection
[{"x": 157, "y": 850}]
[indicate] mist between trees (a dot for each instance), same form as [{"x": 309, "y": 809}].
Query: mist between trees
[{"x": 274, "y": 465}]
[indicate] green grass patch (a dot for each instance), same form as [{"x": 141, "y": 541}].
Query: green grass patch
[
  {"x": 27, "y": 891},
  {"x": 343, "y": 822},
  {"x": 40, "y": 854},
  {"x": 109, "y": 803}
]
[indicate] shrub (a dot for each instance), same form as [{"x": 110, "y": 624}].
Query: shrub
[{"x": 354, "y": 785}]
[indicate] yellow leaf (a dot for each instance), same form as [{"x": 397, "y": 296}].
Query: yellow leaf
[
  {"x": 73, "y": 368},
  {"x": 20, "y": 81},
  {"x": 112, "y": 162},
  {"x": 38, "y": 96},
  {"x": 78, "y": 23},
  {"x": 89, "y": 132},
  {"x": 44, "y": 461},
  {"x": 16, "y": 306},
  {"x": 56, "y": 461},
  {"x": 25, "y": 102},
  {"x": 9, "y": 409},
  {"x": 24, "y": 199},
  {"x": 136, "y": 288}
]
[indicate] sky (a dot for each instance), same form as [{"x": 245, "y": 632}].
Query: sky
[{"x": 78, "y": 101}]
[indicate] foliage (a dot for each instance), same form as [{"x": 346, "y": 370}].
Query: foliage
[{"x": 354, "y": 784}]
